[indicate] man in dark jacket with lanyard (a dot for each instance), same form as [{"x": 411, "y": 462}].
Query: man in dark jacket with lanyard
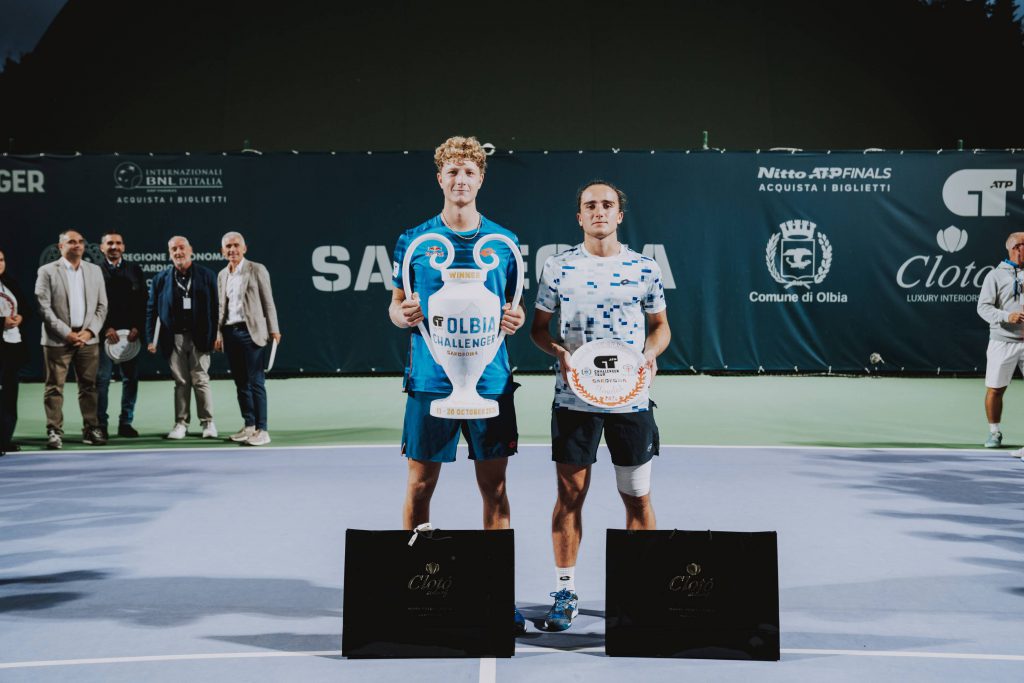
[
  {"x": 183, "y": 302},
  {"x": 126, "y": 310}
]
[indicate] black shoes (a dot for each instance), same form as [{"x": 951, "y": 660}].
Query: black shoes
[
  {"x": 93, "y": 436},
  {"x": 127, "y": 430}
]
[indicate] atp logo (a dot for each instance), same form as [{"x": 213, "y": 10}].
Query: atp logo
[
  {"x": 977, "y": 192},
  {"x": 605, "y": 362},
  {"x": 796, "y": 257}
]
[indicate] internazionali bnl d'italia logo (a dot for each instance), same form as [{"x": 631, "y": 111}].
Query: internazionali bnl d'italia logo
[{"x": 796, "y": 256}]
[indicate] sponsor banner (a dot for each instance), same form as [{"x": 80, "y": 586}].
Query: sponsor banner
[{"x": 770, "y": 261}]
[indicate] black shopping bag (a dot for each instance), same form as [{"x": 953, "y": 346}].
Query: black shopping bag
[
  {"x": 697, "y": 594},
  {"x": 449, "y": 594}
]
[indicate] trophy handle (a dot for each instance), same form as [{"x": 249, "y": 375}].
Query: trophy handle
[
  {"x": 449, "y": 257},
  {"x": 493, "y": 263}
]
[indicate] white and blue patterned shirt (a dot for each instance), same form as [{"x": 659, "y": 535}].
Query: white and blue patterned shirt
[{"x": 599, "y": 298}]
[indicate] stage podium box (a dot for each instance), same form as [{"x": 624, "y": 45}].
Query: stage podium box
[
  {"x": 693, "y": 594},
  {"x": 449, "y": 594}
]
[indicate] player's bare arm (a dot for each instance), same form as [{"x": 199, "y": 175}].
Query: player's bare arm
[
  {"x": 658, "y": 337},
  {"x": 540, "y": 333}
]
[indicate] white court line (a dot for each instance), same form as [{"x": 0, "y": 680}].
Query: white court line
[
  {"x": 488, "y": 670},
  {"x": 488, "y": 666},
  {"x": 396, "y": 447}
]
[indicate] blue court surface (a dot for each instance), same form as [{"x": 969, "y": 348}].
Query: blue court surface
[{"x": 227, "y": 565}]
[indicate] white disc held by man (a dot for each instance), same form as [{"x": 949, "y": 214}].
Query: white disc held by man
[{"x": 607, "y": 373}]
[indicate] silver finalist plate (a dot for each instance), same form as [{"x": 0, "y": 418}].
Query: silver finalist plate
[
  {"x": 609, "y": 374},
  {"x": 123, "y": 350}
]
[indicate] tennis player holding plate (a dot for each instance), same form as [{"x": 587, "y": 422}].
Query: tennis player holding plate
[{"x": 604, "y": 292}]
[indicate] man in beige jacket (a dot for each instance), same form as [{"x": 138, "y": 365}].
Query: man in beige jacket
[
  {"x": 247, "y": 320},
  {"x": 73, "y": 305}
]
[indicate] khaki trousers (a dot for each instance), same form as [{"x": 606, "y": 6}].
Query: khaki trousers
[
  {"x": 190, "y": 368},
  {"x": 58, "y": 359}
]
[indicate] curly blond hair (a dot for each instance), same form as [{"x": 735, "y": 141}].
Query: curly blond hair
[{"x": 458, "y": 148}]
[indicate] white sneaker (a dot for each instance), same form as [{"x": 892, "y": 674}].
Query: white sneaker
[
  {"x": 209, "y": 430},
  {"x": 243, "y": 434},
  {"x": 179, "y": 431},
  {"x": 1019, "y": 453},
  {"x": 260, "y": 437}
]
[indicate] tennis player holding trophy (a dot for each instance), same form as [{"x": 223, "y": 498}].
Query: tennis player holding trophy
[
  {"x": 457, "y": 282},
  {"x": 605, "y": 295}
]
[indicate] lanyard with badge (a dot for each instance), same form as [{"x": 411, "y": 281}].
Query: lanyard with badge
[{"x": 186, "y": 300}]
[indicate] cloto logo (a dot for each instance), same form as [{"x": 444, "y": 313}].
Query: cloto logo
[
  {"x": 957, "y": 282},
  {"x": 605, "y": 362},
  {"x": 429, "y": 582},
  {"x": 690, "y": 582},
  {"x": 979, "y": 192},
  {"x": 798, "y": 263},
  {"x": 952, "y": 239}
]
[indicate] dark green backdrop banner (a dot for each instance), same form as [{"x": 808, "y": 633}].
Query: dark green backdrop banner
[{"x": 771, "y": 260}]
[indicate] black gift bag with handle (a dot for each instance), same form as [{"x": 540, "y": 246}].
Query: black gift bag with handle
[
  {"x": 694, "y": 594},
  {"x": 436, "y": 593}
]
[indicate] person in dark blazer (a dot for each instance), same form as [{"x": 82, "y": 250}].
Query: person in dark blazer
[
  {"x": 13, "y": 353},
  {"x": 126, "y": 301},
  {"x": 183, "y": 302},
  {"x": 247, "y": 321}
]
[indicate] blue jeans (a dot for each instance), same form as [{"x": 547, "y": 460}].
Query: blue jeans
[
  {"x": 246, "y": 362},
  {"x": 129, "y": 372}
]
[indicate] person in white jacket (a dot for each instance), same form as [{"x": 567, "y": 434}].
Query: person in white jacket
[{"x": 1001, "y": 304}]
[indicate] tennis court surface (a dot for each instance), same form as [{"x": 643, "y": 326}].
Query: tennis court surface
[{"x": 226, "y": 564}]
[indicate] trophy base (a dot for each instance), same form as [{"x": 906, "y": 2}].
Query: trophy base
[{"x": 472, "y": 409}]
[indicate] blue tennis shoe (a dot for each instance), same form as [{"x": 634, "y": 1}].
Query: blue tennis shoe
[{"x": 564, "y": 610}]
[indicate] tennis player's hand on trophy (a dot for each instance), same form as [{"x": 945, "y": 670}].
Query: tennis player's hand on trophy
[
  {"x": 512, "y": 320},
  {"x": 112, "y": 336},
  {"x": 411, "y": 311},
  {"x": 1016, "y": 317},
  {"x": 12, "y": 321}
]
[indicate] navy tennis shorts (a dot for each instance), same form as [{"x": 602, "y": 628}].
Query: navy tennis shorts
[
  {"x": 434, "y": 439},
  {"x": 632, "y": 438}
]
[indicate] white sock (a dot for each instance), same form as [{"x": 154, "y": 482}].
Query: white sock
[
  {"x": 566, "y": 578},
  {"x": 993, "y": 427}
]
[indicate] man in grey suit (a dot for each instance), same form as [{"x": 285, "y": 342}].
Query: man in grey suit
[
  {"x": 73, "y": 305},
  {"x": 247, "y": 319}
]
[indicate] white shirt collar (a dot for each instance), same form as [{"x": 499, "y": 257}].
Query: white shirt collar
[
  {"x": 67, "y": 264},
  {"x": 238, "y": 269}
]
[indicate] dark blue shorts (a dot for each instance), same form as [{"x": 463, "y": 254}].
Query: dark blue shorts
[
  {"x": 632, "y": 438},
  {"x": 433, "y": 439}
]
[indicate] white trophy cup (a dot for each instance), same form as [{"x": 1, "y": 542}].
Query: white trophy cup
[{"x": 464, "y": 320}]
